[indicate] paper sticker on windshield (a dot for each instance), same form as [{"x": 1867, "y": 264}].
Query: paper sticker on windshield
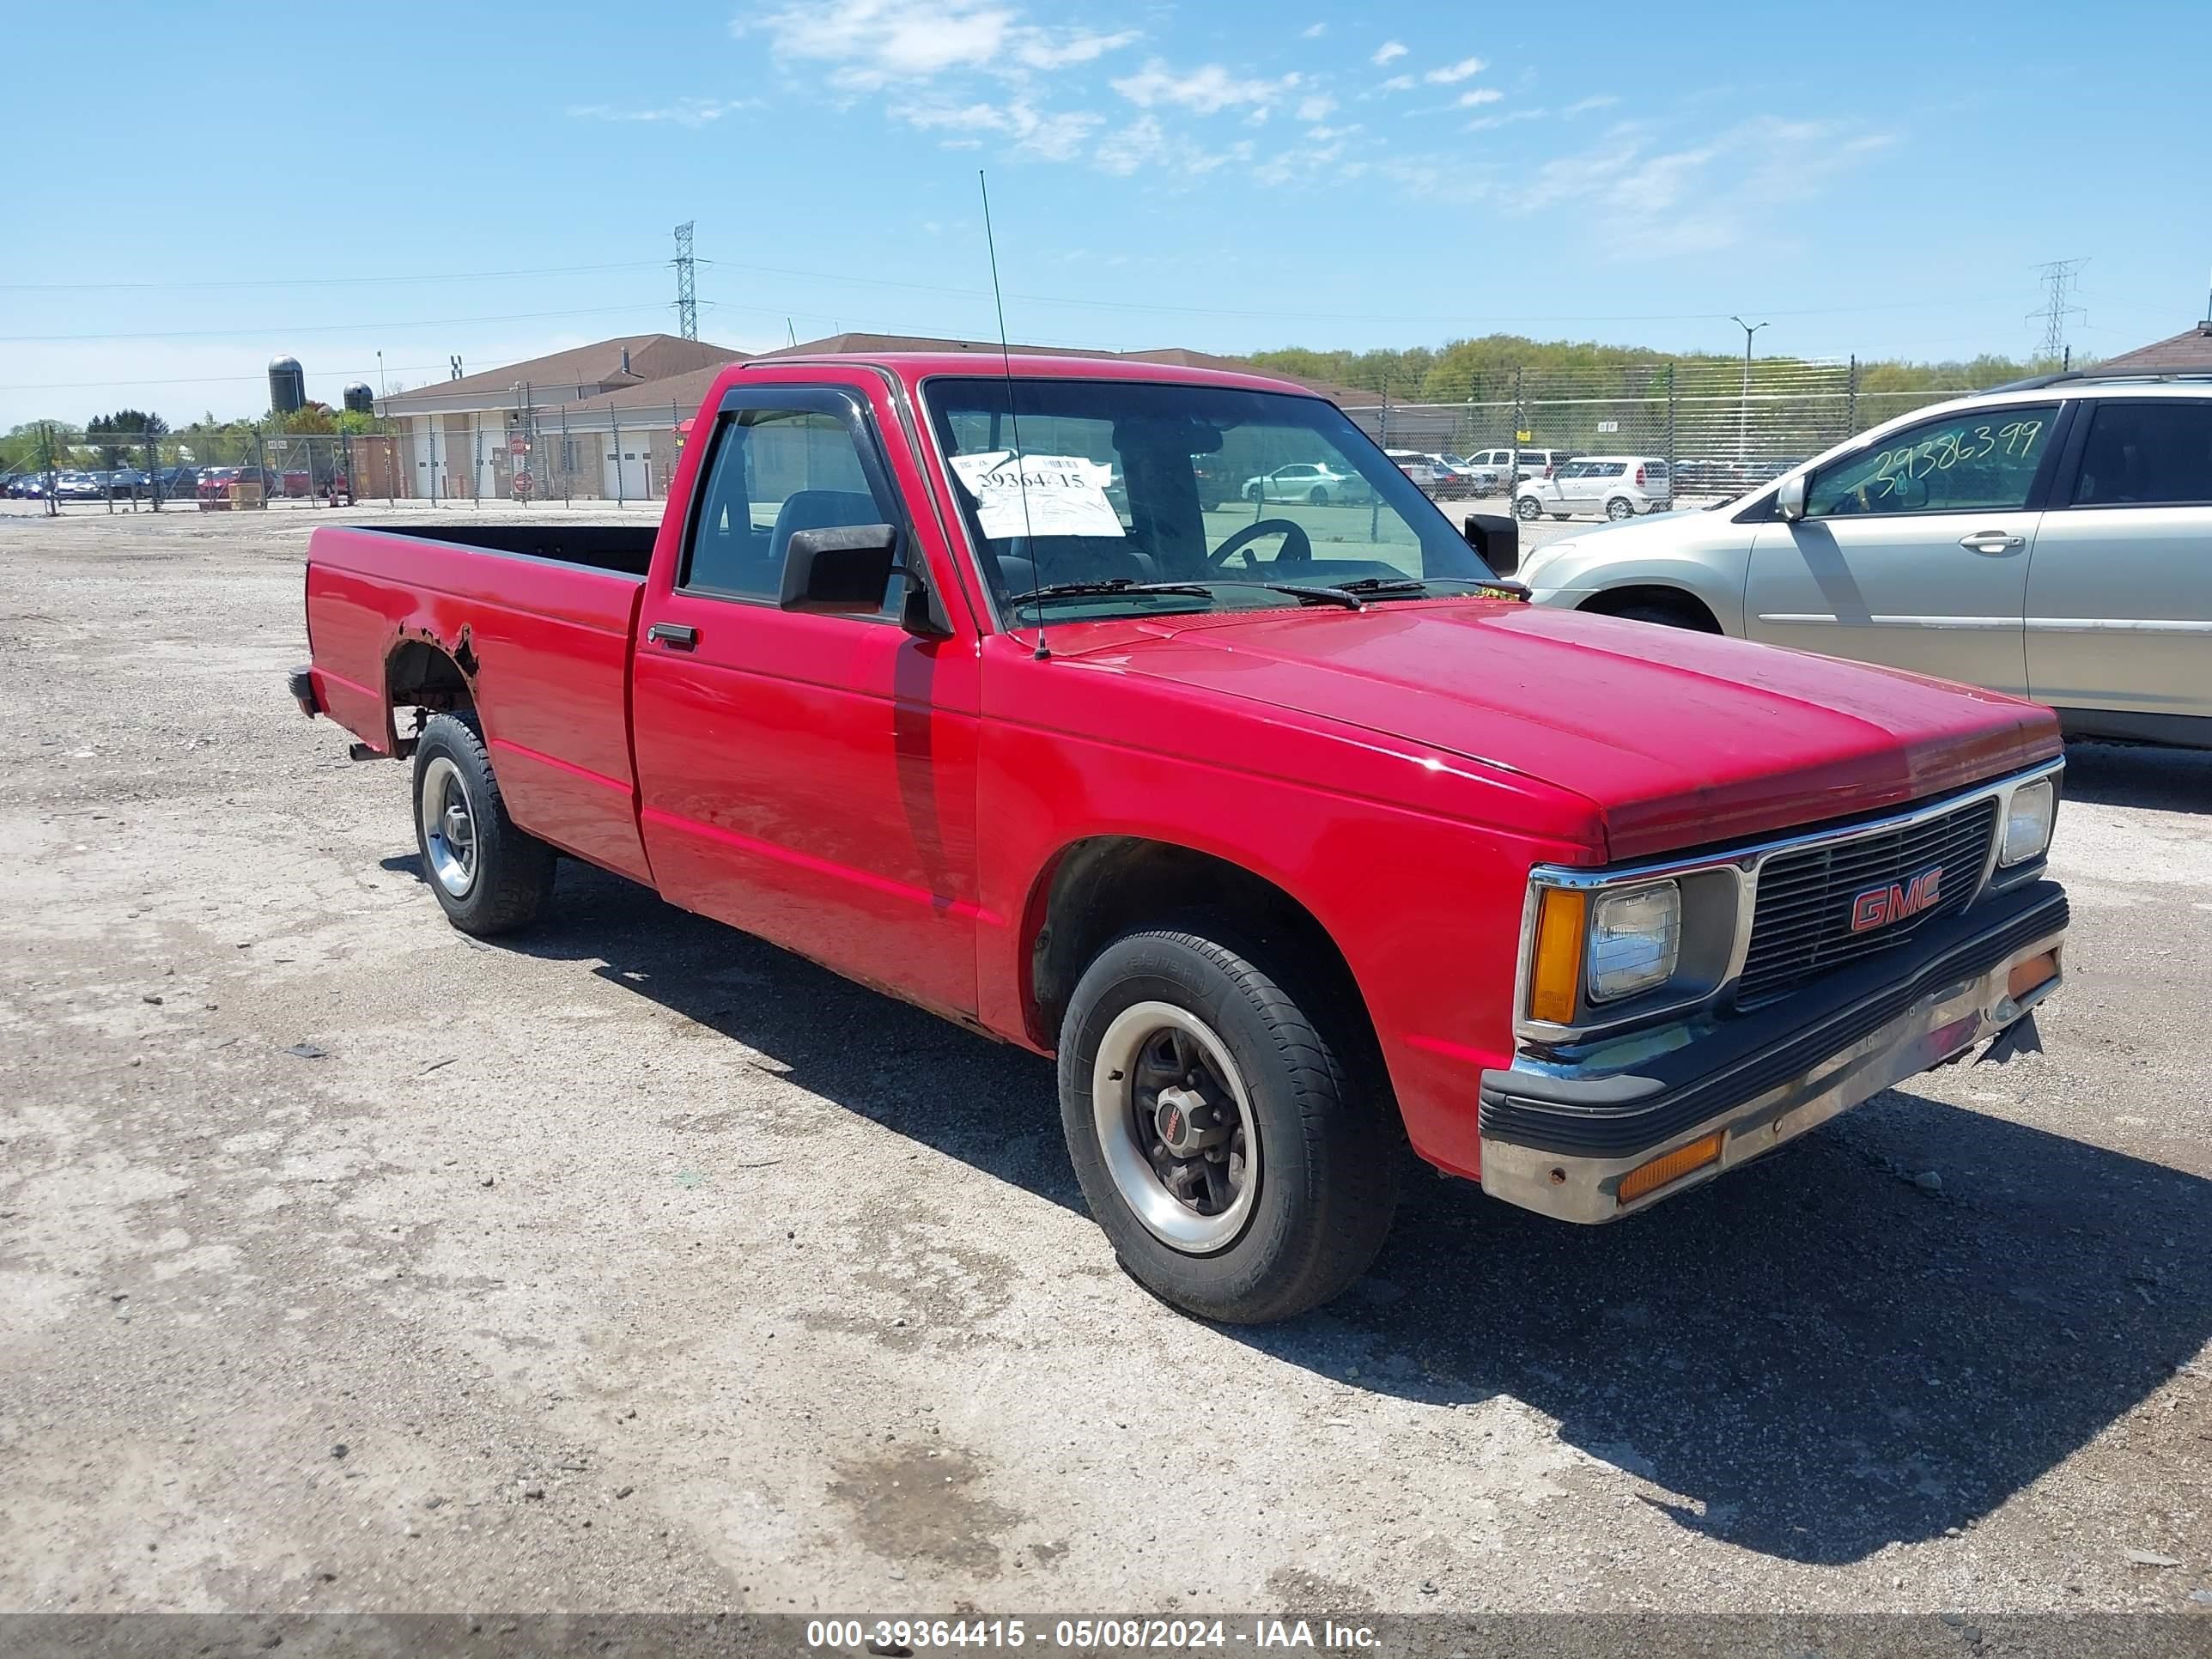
[{"x": 1044, "y": 495}]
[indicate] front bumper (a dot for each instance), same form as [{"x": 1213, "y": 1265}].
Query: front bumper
[{"x": 1559, "y": 1139}]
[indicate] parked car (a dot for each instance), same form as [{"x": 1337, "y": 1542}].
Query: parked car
[
  {"x": 1290, "y": 860},
  {"x": 27, "y": 487},
  {"x": 1615, "y": 486},
  {"x": 1479, "y": 480},
  {"x": 1519, "y": 464},
  {"x": 177, "y": 481},
  {"x": 76, "y": 486},
  {"x": 1308, "y": 481},
  {"x": 1214, "y": 488},
  {"x": 2051, "y": 539},
  {"x": 1434, "y": 477},
  {"x": 124, "y": 482},
  {"x": 215, "y": 480}
]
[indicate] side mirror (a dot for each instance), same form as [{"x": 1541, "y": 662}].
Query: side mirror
[
  {"x": 1790, "y": 498},
  {"x": 1496, "y": 538},
  {"x": 841, "y": 572}
]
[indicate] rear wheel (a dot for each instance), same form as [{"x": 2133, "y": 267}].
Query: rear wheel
[
  {"x": 1318, "y": 496},
  {"x": 489, "y": 876},
  {"x": 1232, "y": 1135},
  {"x": 1620, "y": 507}
]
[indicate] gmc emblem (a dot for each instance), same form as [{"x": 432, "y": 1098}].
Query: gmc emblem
[{"x": 1878, "y": 907}]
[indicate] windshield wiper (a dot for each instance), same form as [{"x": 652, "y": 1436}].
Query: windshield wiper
[
  {"x": 1344, "y": 596},
  {"x": 1115, "y": 585},
  {"x": 1203, "y": 590},
  {"x": 1412, "y": 588}
]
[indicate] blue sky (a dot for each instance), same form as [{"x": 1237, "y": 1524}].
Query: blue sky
[{"x": 195, "y": 188}]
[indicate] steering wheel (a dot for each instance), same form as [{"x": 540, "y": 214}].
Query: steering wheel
[{"x": 1297, "y": 549}]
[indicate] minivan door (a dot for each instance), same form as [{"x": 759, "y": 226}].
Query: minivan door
[
  {"x": 1914, "y": 551},
  {"x": 2119, "y": 596}
]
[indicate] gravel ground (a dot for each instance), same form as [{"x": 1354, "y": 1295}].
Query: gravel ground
[{"x": 349, "y": 1263}]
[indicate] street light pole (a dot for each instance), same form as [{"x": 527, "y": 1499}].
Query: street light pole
[{"x": 1743, "y": 421}]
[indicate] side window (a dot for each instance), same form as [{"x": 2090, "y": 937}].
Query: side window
[
  {"x": 2146, "y": 454},
  {"x": 1981, "y": 461},
  {"x": 775, "y": 471}
]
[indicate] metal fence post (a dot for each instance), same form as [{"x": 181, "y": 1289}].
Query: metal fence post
[
  {"x": 1851, "y": 399},
  {"x": 476, "y": 470},
  {"x": 568, "y": 456},
  {"x": 621, "y": 484},
  {"x": 1671, "y": 456}
]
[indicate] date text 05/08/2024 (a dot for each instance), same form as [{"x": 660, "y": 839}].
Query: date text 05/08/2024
[{"x": 898, "y": 1637}]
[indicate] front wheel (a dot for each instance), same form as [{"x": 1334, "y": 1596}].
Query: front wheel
[
  {"x": 489, "y": 876},
  {"x": 1527, "y": 510},
  {"x": 1232, "y": 1135},
  {"x": 1252, "y": 492}
]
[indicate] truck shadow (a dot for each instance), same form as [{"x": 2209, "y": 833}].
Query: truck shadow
[
  {"x": 2141, "y": 775},
  {"x": 1811, "y": 1358}
]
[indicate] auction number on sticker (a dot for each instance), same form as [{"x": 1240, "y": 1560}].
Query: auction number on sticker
[{"x": 2014, "y": 439}]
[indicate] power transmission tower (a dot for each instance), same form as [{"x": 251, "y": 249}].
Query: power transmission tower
[
  {"x": 2058, "y": 279},
  {"x": 687, "y": 299}
]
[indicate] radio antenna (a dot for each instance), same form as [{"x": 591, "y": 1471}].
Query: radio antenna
[{"x": 1013, "y": 414}]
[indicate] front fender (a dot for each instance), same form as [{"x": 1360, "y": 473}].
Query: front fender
[{"x": 1715, "y": 577}]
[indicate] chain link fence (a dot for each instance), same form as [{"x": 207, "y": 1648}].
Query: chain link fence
[{"x": 1720, "y": 427}]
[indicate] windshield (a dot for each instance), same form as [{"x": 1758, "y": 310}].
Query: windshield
[{"x": 1230, "y": 496}]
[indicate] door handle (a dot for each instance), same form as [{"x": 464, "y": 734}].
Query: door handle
[
  {"x": 677, "y": 637},
  {"x": 1992, "y": 541}
]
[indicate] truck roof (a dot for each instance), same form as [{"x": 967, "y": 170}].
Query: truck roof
[{"x": 912, "y": 366}]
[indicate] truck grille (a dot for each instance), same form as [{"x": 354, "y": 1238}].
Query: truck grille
[{"x": 1801, "y": 927}]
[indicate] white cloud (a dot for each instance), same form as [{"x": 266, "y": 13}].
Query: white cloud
[
  {"x": 1313, "y": 31},
  {"x": 1317, "y": 107},
  {"x": 1141, "y": 143},
  {"x": 1478, "y": 96},
  {"x": 1054, "y": 137},
  {"x": 684, "y": 112},
  {"x": 1658, "y": 201},
  {"x": 1206, "y": 90},
  {"x": 1584, "y": 105},
  {"x": 1040, "y": 51},
  {"x": 1466, "y": 69},
  {"x": 867, "y": 43},
  {"x": 1483, "y": 124},
  {"x": 1386, "y": 51},
  {"x": 1398, "y": 83}
]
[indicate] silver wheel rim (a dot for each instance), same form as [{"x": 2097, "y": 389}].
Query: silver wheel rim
[
  {"x": 449, "y": 827},
  {"x": 1175, "y": 1126},
  {"x": 1619, "y": 510}
]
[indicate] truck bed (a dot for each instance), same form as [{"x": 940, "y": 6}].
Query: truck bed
[
  {"x": 538, "y": 621},
  {"x": 625, "y": 550}
]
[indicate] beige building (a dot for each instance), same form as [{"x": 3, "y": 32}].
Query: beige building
[
  {"x": 459, "y": 439},
  {"x": 601, "y": 421}
]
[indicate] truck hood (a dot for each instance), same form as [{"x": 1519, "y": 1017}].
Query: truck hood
[{"x": 1679, "y": 739}]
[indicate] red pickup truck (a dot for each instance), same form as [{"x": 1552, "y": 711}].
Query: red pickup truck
[{"x": 1286, "y": 827}]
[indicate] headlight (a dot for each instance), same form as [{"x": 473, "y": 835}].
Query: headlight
[
  {"x": 1635, "y": 938},
  {"x": 2028, "y": 823}
]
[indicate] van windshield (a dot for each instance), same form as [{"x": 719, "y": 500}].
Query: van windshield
[{"x": 1082, "y": 493}]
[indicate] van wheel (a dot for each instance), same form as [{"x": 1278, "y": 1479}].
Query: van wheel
[
  {"x": 1527, "y": 510},
  {"x": 489, "y": 876},
  {"x": 1232, "y": 1135},
  {"x": 1620, "y": 507}
]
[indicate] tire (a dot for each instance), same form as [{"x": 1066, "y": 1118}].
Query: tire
[
  {"x": 1309, "y": 1112},
  {"x": 495, "y": 877},
  {"x": 1318, "y": 496},
  {"x": 1526, "y": 509},
  {"x": 1251, "y": 492},
  {"x": 1619, "y": 509}
]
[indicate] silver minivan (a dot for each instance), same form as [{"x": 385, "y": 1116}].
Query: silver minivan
[{"x": 2051, "y": 538}]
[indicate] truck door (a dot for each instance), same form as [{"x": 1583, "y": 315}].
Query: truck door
[
  {"x": 811, "y": 779},
  {"x": 1914, "y": 552}
]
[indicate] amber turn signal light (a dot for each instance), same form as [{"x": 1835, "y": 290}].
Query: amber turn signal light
[
  {"x": 2027, "y": 975},
  {"x": 1671, "y": 1166},
  {"x": 1555, "y": 977}
]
